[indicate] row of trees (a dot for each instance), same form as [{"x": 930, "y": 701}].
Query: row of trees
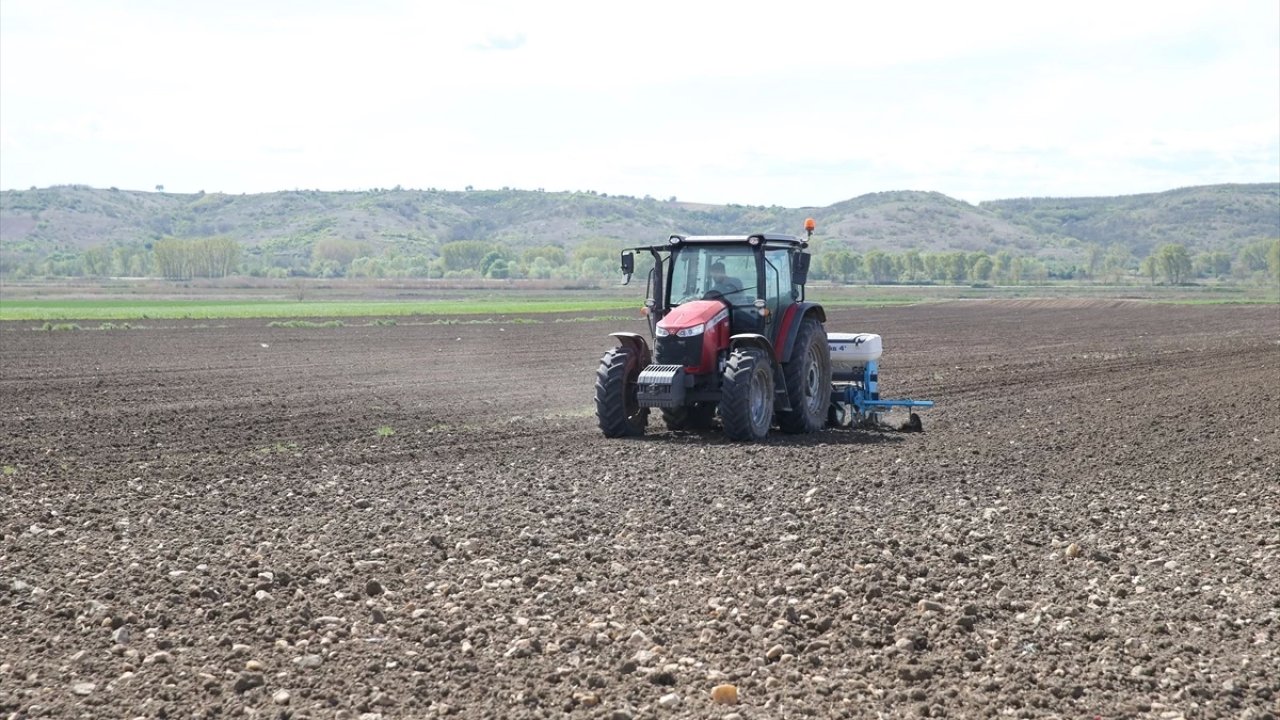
[
  {"x": 1171, "y": 263},
  {"x": 913, "y": 266},
  {"x": 466, "y": 259},
  {"x": 172, "y": 259},
  {"x": 215, "y": 257}
]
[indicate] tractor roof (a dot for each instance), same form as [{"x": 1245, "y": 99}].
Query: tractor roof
[{"x": 768, "y": 238}]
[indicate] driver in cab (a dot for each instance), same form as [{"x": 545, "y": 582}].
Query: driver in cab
[{"x": 721, "y": 284}]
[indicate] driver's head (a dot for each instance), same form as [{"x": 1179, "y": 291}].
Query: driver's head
[{"x": 717, "y": 271}]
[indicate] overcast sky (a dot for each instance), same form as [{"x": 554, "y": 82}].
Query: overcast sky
[{"x": 795, "y": 104}]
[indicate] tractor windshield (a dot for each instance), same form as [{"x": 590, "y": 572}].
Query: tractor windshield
[{"x": 713, "y": 271}]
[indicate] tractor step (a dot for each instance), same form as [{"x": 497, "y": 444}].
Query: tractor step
[{"x": 781, "y": 398}]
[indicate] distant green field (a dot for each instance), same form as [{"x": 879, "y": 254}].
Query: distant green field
[
  {"x": 204, "y": 309},
  {"x": 196, "y": 309},
  {"x": 836, "y": 296},
  {"x": 520, "y": 302}
]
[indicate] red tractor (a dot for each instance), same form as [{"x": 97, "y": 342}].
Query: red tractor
[{"x": 732, "y": 335}]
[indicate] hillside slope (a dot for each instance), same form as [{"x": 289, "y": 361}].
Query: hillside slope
[
  {"x": 1209, "y": 217},
  {"x": 69, "y": 219}
]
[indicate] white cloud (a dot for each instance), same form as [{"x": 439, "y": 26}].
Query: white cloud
[{"x": 720, "y": 102}]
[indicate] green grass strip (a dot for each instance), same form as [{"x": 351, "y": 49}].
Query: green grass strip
[
  {"x": 1218, "y": 301},
  {"x": 126, "y": 309},
  {"x": 870, "y": 301}
]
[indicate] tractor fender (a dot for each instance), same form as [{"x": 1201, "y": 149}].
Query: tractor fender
[
  {"x": 634, "y": 343},
  {"x": 789, "y": 328},
  {"x": 752, "y": 340}
]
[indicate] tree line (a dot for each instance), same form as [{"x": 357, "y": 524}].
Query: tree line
[
  {"x": 216, "y": 257},
  {"x": 1171, "y": 264}
]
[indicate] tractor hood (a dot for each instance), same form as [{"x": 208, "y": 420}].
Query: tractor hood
[{"x": 694, "y": 313}]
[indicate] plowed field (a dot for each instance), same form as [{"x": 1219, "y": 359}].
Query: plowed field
[{"x": 421, "y": 520}]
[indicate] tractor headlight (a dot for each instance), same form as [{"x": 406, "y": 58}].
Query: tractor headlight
[{"x": 687, "y": 332}]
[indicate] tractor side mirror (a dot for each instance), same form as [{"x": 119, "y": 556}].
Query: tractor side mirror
[
  {"x": 800, "y": 268},
  {"x": 628, "y": 267}
]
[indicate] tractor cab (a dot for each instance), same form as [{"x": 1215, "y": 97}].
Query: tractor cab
[{"x": 755, "y": 278}]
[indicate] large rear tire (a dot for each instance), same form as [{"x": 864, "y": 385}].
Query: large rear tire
[
  {"x": 690, "y": 417},
  {"x": 618, "y": 410},
  {"x": 808, "y": 377},
  {"x": 746, "y": 396}
]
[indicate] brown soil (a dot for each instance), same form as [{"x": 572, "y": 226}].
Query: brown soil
[{"x": 209, "y": 522}]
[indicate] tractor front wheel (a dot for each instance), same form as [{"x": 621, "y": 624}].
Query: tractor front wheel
[
  {"x": 746, "y": 396},
  {"x": 618, "y": 410}
]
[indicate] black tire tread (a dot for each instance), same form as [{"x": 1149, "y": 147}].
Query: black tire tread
[
  {"x": 735, "y": 394},
  {"x": 797, "y": 420},
  {"x": 611, "y": 400}
]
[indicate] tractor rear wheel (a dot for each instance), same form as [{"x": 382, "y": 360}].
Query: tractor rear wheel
[
  {"x": 746, "y": 396},
  {"x": 808, "y": 377},
  {"x": 690, "y": 417},
  {"x": 618, "y": 410}
]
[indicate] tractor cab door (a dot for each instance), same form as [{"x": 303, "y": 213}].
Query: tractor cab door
[
  {"x": 655, "y": 303},
  {"x": 778, "y": 291}
]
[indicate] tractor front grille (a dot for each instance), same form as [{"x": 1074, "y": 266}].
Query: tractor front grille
[{"x": 673, "y": 350}]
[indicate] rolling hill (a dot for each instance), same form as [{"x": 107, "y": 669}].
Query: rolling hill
[
  {"x": 1213, "y": 217},
  {"x": 71, "y": 219}
]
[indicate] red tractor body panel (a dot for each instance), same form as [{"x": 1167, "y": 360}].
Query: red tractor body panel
[
  {"x": 689, "y": 314},
  {"x": 784, "y": 328},
  {"x": 712, "y": 316}
]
